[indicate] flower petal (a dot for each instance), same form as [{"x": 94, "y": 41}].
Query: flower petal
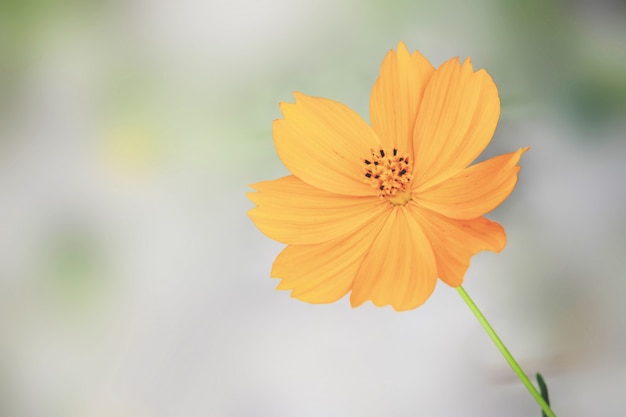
[
  {"x": 323, "y": 273},
  {"x": 400, "y": 268},
  {"x": 454, "y": 242},
  {"x": 291, "y": 211},
  {"x": 456, "y": 121},
  {"x": 396, "y": 97},
  {"x": 475, "y": 190},
  {"x": 322, "y": 142}
]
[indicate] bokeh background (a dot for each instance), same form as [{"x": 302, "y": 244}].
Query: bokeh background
[{"x": 133, "y": 284}]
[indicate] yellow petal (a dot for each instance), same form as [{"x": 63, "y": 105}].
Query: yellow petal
[
  {"x": 322, "y": 142},
  {"x": 454, "y": 242},
  {"x": 291, "y": 211},
  {"x": 475, "y": 190},
  {"x": 396, "y": 97},
  {"x": 400, "y": 268},
  {"x": 323, "y": 273},
  {"x": 455, "y": 122}
]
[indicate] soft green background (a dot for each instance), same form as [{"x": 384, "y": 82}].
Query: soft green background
[{"x": 133, "y": 284}]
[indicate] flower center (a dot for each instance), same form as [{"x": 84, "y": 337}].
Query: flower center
[{"x": 390, "y": 174}]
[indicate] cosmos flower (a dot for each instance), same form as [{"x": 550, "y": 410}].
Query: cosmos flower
[{"x": 385, "y": 211}]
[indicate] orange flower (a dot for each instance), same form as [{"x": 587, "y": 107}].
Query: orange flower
[{"x": 383, "y": 211}]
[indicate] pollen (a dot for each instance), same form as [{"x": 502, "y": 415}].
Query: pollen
[{"x": 390, "y": 173}]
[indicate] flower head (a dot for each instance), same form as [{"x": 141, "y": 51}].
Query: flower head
[{"x": 384, "y": 211}]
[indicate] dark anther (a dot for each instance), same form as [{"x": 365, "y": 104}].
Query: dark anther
[
  {"x": 375, "y": 162},
  {"x": 377, "y": 176},
  {"x": 368, "y": 175},
  {"x": 382, "y": 153},
  {"x": 367, "y": 162},
  {"x": 401, "y": 159},
  {"x": 382, "y": 187},
  {"x": 401, "y": 173},
  {"x": 395, "y": 151}
]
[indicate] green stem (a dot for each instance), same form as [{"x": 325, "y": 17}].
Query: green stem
[{"x": 505, "y": 352}]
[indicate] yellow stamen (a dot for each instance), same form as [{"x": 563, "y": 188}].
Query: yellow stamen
[
  {"x": 400, "y": 198},
  {"x": 390, "y": 174}
]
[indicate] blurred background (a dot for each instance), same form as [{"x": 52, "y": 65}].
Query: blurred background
[{"x": 133, "y": 284}]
